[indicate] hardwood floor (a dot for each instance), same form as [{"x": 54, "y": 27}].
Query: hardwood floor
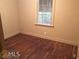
[{"x": 31, "y": 47}]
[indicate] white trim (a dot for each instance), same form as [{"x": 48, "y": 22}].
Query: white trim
[
  {"x": 48, "y": 25},
  {"x": 51, "y": 38},
  {"x": 52, "y": 13},
  {"x": 10, "y": 35}
]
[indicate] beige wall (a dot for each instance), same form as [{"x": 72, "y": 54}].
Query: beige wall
[
  {"x": 8, "y": 10},
  {"x": 21, "y": 18},
  {"x": 68, "y": 12},
  {"x": 65, "y": 20}
]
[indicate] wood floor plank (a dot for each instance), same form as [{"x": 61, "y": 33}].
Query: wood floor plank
[{"x": 31, "y": 47}]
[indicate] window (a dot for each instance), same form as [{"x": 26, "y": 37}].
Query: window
[{"x": 44, "y": 12}]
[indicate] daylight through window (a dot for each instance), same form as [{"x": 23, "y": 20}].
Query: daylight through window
[{"x": 45, "y": 12}]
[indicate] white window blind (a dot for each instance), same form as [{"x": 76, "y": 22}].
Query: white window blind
[{"x": 45, "y": 12}]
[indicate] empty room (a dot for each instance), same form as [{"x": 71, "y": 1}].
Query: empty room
[{"x": 39, "y": 29}]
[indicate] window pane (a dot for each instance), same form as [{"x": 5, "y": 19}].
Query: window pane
[
  {"x": 44, "y": 12},
  {"x": 45, "y": 5},
  {"x": 46, "y": 17},
  {"x": 40, "y": 18}
]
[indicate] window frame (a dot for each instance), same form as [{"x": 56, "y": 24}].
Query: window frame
[{"x": 52, "y": 14}]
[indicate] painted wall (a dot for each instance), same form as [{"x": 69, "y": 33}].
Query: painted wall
[
  {"x": 23, "y": 15},
  {"x": 66, "y": 20},
  {"x": 9, "y": 13}
]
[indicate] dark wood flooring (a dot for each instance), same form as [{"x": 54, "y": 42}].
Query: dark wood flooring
[{"x": 31, "y": 47}]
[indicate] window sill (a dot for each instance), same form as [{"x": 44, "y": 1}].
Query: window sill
[{"x": 46, "y": 25}]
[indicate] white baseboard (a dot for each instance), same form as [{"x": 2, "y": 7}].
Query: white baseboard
[
  {"x": 10, "y": 35},
  {"x": 51, "y": 38}
]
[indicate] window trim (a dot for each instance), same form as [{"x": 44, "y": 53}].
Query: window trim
[{"x": 52, "y": 15}]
